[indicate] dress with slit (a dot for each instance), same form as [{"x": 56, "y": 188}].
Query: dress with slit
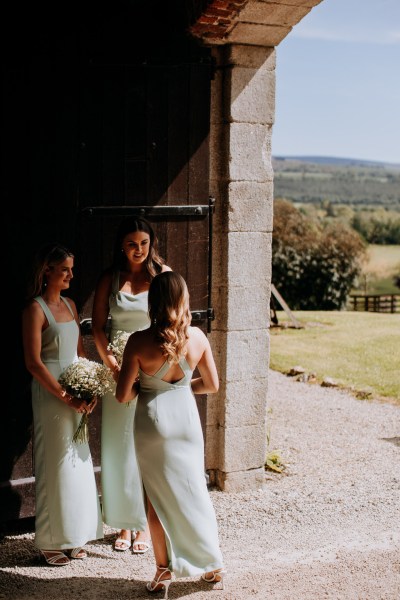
[
  {"x": 170, "y": 451},
  {"x": 68, "y": 513},
  {"x": 122, "y": 497}
]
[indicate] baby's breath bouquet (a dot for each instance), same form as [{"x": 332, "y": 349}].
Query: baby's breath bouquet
[
  {"x": 85, "y": 379},
  {"x": 117, "y": 346}
]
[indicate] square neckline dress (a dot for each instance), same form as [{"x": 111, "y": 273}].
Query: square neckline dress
[
  {"x": 170, "y": 451},
  {"x": 68, "y": 511}
]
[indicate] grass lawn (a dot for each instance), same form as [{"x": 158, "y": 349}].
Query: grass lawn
[{"x": 359, "y": 350}]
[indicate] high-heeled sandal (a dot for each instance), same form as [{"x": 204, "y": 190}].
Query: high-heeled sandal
[
  {"x": 158, "y": 584},
  {"x": 217, "y": 578},
  {"x": 55, "y": 558}
]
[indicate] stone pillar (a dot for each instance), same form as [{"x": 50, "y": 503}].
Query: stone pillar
[{"x": 242, "y": 113}]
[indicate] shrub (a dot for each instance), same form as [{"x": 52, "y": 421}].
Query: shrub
[{"x": 313, "y": 266}]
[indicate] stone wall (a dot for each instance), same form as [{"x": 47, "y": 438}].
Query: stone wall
[{"x": 242, "y": 113}]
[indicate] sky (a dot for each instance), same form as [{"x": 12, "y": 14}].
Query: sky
[{"x": 338, "y": 83}]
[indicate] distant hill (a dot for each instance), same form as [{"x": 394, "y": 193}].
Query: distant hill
[
  {"x": 334, "y": 160},
  {"x": 314, "y": 179}
]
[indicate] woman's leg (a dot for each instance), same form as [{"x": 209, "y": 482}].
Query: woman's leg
[{"x": 157, "y": 537}]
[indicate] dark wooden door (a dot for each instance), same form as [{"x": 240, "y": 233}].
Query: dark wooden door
[{"x": 96, "y": 120}]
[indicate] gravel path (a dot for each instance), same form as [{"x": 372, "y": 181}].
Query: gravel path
[{"x": 327, "y": 528}]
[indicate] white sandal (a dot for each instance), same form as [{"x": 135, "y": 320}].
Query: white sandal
[
  {"x": 140, "y": 550},
  {"x": 217, "y": 578},
  {"x": 164, "y": 583},
  {"x": 124, "y": 544},
  {"x": 79, "y": 553},
  {"x": 55, "y": 558}
]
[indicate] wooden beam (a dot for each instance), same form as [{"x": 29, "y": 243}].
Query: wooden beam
[{"x": 296, "y": 323}]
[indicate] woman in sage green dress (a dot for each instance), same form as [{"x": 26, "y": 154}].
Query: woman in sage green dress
[
  {"x": 168, "y": 435},
  {"x": 67, "y": 504},
  {"x": 121, "y": 294}
]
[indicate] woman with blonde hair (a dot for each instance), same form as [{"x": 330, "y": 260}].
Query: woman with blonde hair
[
  {"x": 68, "y": 511},
  {"x": 158, "y": 364}
]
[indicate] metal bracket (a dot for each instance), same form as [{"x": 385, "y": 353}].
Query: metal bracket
[
  {"x": 197, "y": 317},
  {"x": 195, "y": 210}
]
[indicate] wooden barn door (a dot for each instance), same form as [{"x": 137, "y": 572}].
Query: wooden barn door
[{"x": 144, "y": 151}]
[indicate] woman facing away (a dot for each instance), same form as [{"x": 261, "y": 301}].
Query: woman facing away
[
  {"x": 168, "y": 435},
  {"x": 68, "y": 511},
  {"x": 121, "y": 293}
]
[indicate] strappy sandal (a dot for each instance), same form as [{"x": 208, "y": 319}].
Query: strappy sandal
[
  {"x": 158, "y": 584},
  {"x": 137, "y": 550},
  {"x": 78, "y": 553},
  {"x": 55, "y": 558},
  {"x": 216, "y": 577}
]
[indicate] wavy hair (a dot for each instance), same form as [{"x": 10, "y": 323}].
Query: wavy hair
[
  {"x": 154, "y": 262},
  {"x": 47, "y": 256},
  {"x": 170, "y": 314}
]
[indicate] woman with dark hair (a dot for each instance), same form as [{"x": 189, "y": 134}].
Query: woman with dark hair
[
  {"x": 68, "y": 511},
  {"x": 121, "y": 293},
  {"x": 168, "y": 435}
]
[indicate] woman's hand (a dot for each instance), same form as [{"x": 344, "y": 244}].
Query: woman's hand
[
  {"x": 92, "y": 405},
  {"x": 80, "y": 406}
]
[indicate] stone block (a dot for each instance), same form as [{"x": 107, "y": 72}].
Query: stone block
[
  {"x": 252, "y": 96},
  {"x": 273, "y": 14},
  {"x": 250, "y": 152},
  {"x": 238, "y": 308},
  {"x": 244, "y": 447},
  {"x": 250, "y": 206},
  {"x": 246, "y": 402},
  {"x": 244, "y": 354},
  {"x": 241, "y": 481},
  {"x": 257, "y": 35},
  {"x": 254, "y": 57}
]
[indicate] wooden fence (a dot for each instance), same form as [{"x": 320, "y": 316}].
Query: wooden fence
[{"x": 383, "y": 303}]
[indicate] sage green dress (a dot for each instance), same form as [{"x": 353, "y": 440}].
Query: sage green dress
[
  {"x": 68, "y": 511},
  {"x": 122, "y": 498},
  {"x": 170, "y": 450}
]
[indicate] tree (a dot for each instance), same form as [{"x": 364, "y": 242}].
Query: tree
[{"x": 314, "y": 266}]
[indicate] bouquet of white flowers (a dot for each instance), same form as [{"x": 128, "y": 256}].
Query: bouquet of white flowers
[
  {"x": 118, "y": 345},
  {"x": 85, "y": 379}
]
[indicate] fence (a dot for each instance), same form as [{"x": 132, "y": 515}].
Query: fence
[{"x": 382, "y": 303}]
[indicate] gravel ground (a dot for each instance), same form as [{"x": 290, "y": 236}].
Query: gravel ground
[{"x": 326, "y": 528}]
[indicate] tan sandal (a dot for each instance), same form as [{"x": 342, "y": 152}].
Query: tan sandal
[{"x": 55, "y": 558}]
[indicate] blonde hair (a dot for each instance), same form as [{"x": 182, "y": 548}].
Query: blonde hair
[
  {"x": 47, "y": 256},
  {"x": 170, "y": 314}
]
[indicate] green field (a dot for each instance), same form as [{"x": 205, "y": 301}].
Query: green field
[
  {"x": 359, "y": 350},
  {"x": 383, "y": 262}
]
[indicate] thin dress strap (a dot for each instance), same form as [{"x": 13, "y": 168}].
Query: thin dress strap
[{"x": 115, "y": 282}]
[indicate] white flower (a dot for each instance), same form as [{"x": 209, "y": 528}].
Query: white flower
[
  {"x": 85, "y": 379},
  {"x": 118, "y": 345}
]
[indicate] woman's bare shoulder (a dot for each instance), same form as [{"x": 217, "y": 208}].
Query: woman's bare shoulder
[{"x": 165, "y": 268}]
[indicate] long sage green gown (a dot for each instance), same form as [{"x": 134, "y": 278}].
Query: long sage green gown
[
  {"x": 68, "y": 511},
  {"x": 122, "y": 498},
  {"x": 170, "y": 451}
]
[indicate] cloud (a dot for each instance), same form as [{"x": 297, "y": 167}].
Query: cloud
[{"x": 357, "y": 37}]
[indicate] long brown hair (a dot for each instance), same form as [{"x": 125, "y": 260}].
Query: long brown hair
[
  {"x": 47, "y": 256},
  {"x": 170, "y": 314},
  {"x": 154, "y": 261}
]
